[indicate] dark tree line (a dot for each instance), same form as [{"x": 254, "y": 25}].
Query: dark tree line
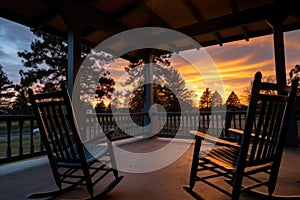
[
  {"x": 45, "y": 68},
  {"x": 46, "y": 65},
  {"x": 210, "y": 100},
  {"x": 169, "y": 88},
  {"x": 6, "y": 92}
]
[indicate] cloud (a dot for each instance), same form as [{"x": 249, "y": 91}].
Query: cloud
[
  {"x": 291, "y": 41},
  {"x": 14, "y": 38},
  {"x": 237, "y": 61},
  {"x": 15, "y": 34}
]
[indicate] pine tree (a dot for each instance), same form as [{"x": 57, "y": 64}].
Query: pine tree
[
  {"x": 169, "y": 89},
  {"x": 233, "y": 101},
  {"x": 205, "y": 100},
  {"x": 216, "y": 99},
  {"x": 46, "y": 65},
  {"x": 6, "y": 91}
]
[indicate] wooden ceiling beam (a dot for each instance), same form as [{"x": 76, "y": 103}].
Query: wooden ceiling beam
[
  {"x": 80, "y": 12},
  {"x": 237, "y": 19},
  {"x": 245, "y": 32},
  {"x": 192, "y": 8},
  {"x": 225, "y": 21},
  {"x": 158, "y": 21},
  {"x": 233, "y": 6},
  {"x": 45, "y": 18},
  {"x": 126, "y": 10},
  {"x": 218, "y": 38},
  {"x": 238, "y": 37}
]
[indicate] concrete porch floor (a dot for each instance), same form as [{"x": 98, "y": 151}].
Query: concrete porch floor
[{"x": 17, "y": 180}]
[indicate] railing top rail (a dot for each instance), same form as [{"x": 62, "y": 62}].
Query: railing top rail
[
  {"x": 16, "y": 117},
  {"x": 171, "y": 113}
]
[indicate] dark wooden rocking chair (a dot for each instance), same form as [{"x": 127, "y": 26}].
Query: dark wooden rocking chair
[
  {"x": 259, "y": 149},
  {"x": 72, "y": 162}
]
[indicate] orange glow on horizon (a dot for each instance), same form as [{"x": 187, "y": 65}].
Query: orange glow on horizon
[{"x": 236, "y": 63}]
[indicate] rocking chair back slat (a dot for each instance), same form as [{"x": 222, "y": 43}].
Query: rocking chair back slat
[
  {"x": 57, "y": 124},
  {"x": 70, "y": 159},
  {"x": 260, "y": 148},
  {"x": 267, "y": 129}
]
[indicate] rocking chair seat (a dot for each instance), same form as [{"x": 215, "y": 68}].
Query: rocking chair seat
[
  {"x": 223, "y": 157},
  {"x": 92, "y": 153},
  {"x": 226, "y": 158}
]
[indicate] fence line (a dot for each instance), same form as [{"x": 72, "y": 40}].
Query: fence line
[{"x": 18, "y": 141}]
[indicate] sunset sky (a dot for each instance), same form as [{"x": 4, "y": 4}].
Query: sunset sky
[{"x": 236, "y": 62}]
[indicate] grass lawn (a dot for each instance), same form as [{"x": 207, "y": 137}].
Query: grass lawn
[
  {"x": 15, "y": 145},
  {"x": 15, "y": 126}
]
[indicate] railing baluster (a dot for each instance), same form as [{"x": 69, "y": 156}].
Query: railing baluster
[
  {"x": 8, "y": 146},
  {"x": 21, "y": 123},
  {"x": 31, "y": 121},
  {"x": 173, "y": 121},
  {"x": 240, "y": 121}
]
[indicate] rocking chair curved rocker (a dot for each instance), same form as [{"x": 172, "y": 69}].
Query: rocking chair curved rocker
[
  {"x": 73, "y": 162},
  {"x": 259, "y": 149}
]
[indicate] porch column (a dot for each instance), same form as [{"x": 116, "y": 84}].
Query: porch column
[
  {"x": 278, "y": 41},
  {"x": 278, "y": 38},
  {"x": 148, "y": 90},
  {"x": 74, "y": 56}
]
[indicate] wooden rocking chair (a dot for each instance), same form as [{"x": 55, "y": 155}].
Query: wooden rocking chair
[
  {"x": 259, "y": 150},
  {"x": 72, "y": 162}
]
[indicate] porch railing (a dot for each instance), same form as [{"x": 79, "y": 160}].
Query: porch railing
[
  {"x": 19, "y": 141},
  {"x": 17, "y": 138}
]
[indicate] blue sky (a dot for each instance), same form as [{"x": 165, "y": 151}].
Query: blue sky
[
  {"x": 237, "y": 61},
  {"x": 14, "y": 38}
]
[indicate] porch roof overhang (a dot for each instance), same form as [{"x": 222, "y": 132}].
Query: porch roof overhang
[{"x": 207, "y": 22}]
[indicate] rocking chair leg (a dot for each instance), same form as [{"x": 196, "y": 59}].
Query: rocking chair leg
[
  {"x": 263, "y": 195},
  {"x": 193, "y": 193},
  {"x": 236, "y": 188},
  {"x": 59, "y": 192},
  {"x": 54, "y": 193},
  {"x": 108, "y": 188},
  {"x": 115, "y": 172},
  {"x": 195, "y": 161}
]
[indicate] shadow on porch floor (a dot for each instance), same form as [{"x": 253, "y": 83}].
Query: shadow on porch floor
[{"x": 19, "y": 179}]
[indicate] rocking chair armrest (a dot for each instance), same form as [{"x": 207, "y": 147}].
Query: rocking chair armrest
[
  {"x": 236, "y": 131},
  {"x": 239, "y": 132},
  {"x": 218, "y": 141}
]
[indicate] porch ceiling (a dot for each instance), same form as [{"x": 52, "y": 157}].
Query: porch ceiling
[{"x": 208, "y": 22}]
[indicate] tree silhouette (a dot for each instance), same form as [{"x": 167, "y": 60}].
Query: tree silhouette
[
  {"x": 205, "y": 100},
  {"x": 161, "y": 95},
  {"x": 233, "y": 101},
  {"x": 20, "y": 106},
  {"x": 169, "y": 89},
  {"x": 216, "y": 99},
  {"x": 46, "y": 65},
  {"x": 6, "y": 90},
  {"x": 294, "y": 73},
  {"x": 46, "y": 62}
]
